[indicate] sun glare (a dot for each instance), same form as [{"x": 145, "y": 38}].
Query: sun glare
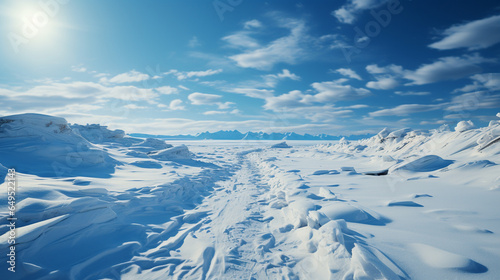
[{"x": 34, "y": 25}]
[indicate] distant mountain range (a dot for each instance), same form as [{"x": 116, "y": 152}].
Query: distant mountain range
[{"x": 236, "y": 135}]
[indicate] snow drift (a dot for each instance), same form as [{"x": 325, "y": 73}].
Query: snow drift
[{"x": 47, "y": 146}]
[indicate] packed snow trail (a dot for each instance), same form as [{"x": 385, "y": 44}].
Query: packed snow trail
[{"x": 236, "y": 233}]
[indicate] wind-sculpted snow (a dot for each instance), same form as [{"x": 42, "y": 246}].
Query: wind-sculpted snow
[
  {"x": 403, "y": 204},
  {"x": 97, "y": 134},
  {"x": 47, "y": 146}
]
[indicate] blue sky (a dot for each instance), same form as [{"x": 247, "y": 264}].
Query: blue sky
[{"x": 177, "y": 67}]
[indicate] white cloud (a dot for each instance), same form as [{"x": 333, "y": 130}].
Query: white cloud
[
  {"x": 344, "y": 15},
  {"x": 176, "y": 104},
  {"x": 242, "y": 40},
  {"x": 406, "y": 109},
  {"x": 408, "y": 93},
  {"x": 286, "y": 49},
  {"x": 224, "y": 105},
  {"x": 66, "y": 90},
  {"x": 292, "y": 105},
  {"x": 252, "y": 24},
  {"x": 292, "y": 99},
  {"x": 78, "y": 68},
  {"x": 329, "y": 92},
  {"x": 209, "y": 113},
  {"x": 134, "y": 107},
  {"x": 389, "y": 69},
  {"x": 357, "y": 106},
  {"x": 474, "y": 35},
  {"x": 129, "y": 77},
  {"x": 232, "y": 112},
  {"x": 386, "y": 77},
  {"x": 349, "y": 11},
  {"x": 446, "y": 68},
  {"x": 253, "y": 92},
  {"x": 193, "y": 74},
  {"x": 286, "y": 74},
  {"x": 383, "y": 83},
  {"x": 348, "y": 73},
  {"x": 167, "y": 90},
  {"x": 272, "y": 80},
  {"x": 131, "y": 93},
  {"x": 69, "y": 98},
  {"x": 491, "y": 81},
  {"x": 194, "y": 42},
  {"x": 473, "y": 101},
  {"x": 198, "y": 98}
]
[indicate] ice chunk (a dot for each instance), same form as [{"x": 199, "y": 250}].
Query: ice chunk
[{"x": 281, "y": 145}]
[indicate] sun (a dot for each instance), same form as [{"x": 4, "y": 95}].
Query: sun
[{"x": 34, "y": 24}]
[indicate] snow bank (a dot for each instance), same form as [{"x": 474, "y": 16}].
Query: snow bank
[
  {"x": 96, "y": 133},
  {"x": 155, "y": 143},
  {"x": 406, "y": 143},
  {"x": 439, "y": 258},
  {"x": 150, "y": 145},
  {"x": 178, "y": 152},
  {"x": 51, "y": 146}
]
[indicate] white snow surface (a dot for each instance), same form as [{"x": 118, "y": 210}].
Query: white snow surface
[
  {"x": 403, "y": 204},
  {"x": 464, "y": 126}
]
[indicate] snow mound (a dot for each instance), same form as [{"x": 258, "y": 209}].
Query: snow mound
[
  {"x": 178, "y": 152},
  {"x": 423, "y": 164},
  {"x": 282, "y": 145},
  {"x": 155, "y": 143},
  {"x": 464, "y": 126},
  {"x": 96, "y": 133},
  {"x": 349, "y": 213},
  {"x": 439, "y": 258},
  {"x": 51, "y": 146}
]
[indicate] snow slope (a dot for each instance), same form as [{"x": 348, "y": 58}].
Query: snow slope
[{"x": 403, "y": 204}]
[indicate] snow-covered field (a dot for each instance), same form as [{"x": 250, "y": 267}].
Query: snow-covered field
[{"x": 95, "y": 204}]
